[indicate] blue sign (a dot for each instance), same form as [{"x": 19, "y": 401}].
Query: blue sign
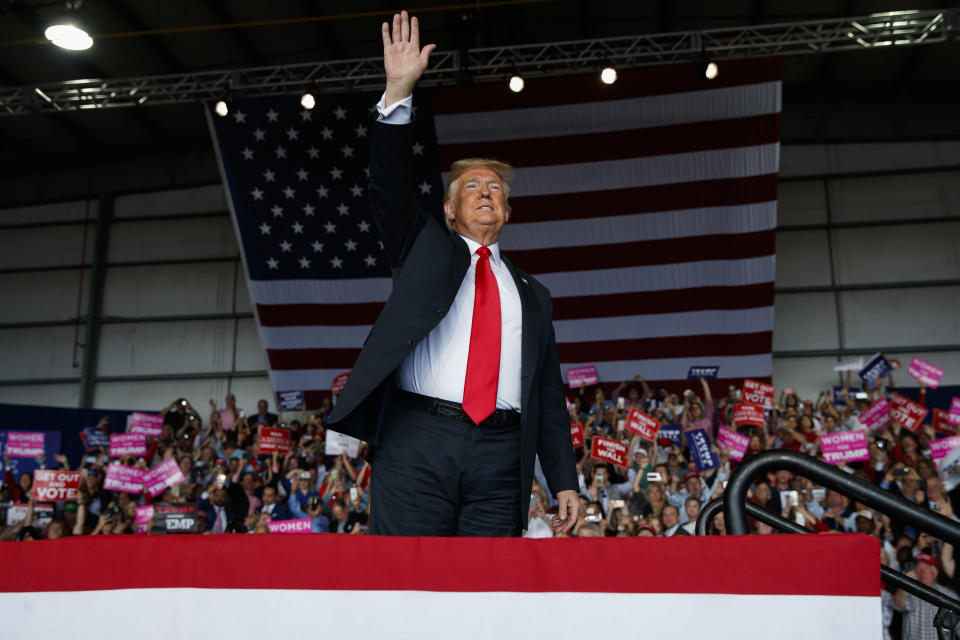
[
  {"x": 838, "y": 397},
  {"x": 93, "y": 438},
  {"x": 707, "y": 373},
  {"x": 290, "y": 400},
  {"x": 674, "y": 432},
  {"x": 703, "y": 457},
  {"x": 51, "y": 447},
  {"x": 878, "y": 367}
]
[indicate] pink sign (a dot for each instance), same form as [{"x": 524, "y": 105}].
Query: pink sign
[
  {"x": 148, "y": 424},
  {"x": 748, "y": 413},
  {"x": 22, "y": 444},
  {"x": 923, "y": 371},
  {"x": 576, "y": 435},
  {"x": 609, "y": 450},
  {"x": 642, "y": 424},
  {"x": 877, "y": 415},
  {"x": 302, "y": 525},
  {"x": 120, "y": 477},
  {"x": 736, "y": 443},
  {"x": 143, "y": 517},
  {"x": 165, "y": 474},
  {"x": 582, "y": 375},
  {"x": 954, "y": 416},
  {"x": 844, "y": 446},
  {"x": 906, "y": 411},
  {"x": 940, "y": 448},
  {"x": 758, "y": 393},
  {"x": 127, "y": 444}
]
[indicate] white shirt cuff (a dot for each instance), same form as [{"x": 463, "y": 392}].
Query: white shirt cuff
[{"x": 397, "y": 113}]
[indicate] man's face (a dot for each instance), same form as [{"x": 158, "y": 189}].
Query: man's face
[
  {"x": 339, "y": 513},
  {"x": 670, "y": 517},
  {"x": 262, "y": 407},
  {"x": 269, "y": 495},
  {"x": 693, "y": 486},
  {"x": 478, "y": 207},
  {"x": 692, "y": 507},
  {"x": 247, "y": 482},
  {"x": 220, "y": 497},
  {"x": 926, "y": 574}
]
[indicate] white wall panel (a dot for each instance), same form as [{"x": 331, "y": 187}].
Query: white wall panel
[
  {"x": 801, "y": 203},
  {"x": 807, "y": 376},
  {"x": 804, "y": 321},
  {"x": 45, "y": 395},
  {"x": 144, "y": 348},
  {"x": 897, "y": 253},
  {"x": 242, "y": 292},
  {"x": 896, "y": 198},
  {"x": 42, "y": 352},
  {"x": 44, "y": 247},
  {"x": 809, "y": 160},
  {"x": 154, "y": 395},
  {"x": 53, "y": 212},
  {"x": 901, "y": 317},
  {"x": 251, "y": 355},
  {"x": 172, "y": 239},
  {"x": 802, "y": 259},
  {"x": 169, "y": 290},
  {"x": 43, "y": 295},
  {"x": 158, "y": 203}
]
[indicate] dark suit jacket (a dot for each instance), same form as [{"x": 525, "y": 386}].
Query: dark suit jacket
[
  {"x": 210, "y": 511},
  {"x": 429, "y": 263}
]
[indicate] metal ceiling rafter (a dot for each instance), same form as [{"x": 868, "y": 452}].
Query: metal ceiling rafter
[{"x": 890, "y": 29}]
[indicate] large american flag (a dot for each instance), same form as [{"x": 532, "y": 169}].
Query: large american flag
[{"x": 648, "y": 208}]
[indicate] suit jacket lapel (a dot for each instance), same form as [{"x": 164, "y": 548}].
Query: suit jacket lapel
[
  {"x": 530, "y": 339},
  {"x": 458, "y": 264}
]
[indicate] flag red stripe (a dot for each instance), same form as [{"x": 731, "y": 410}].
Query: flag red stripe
[
  {"x": 678, "y": 196},
  {"x": 636, "y": 83},
  {"x": 736, "y": 344},
  {"x": 617, "y": 145},
  {"x": 569, "y": 308}
]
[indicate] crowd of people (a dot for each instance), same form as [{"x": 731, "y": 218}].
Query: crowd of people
[{"x": 236, "y": 488}]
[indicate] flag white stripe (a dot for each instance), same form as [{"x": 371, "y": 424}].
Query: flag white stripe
[
  {"x": 581, "y": 330},
  {"x": 610, "y": 115},
  {"x": 686, "y": 223},
  {"x": 693, "y": 166}
]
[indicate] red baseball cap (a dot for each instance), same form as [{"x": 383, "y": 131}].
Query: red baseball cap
[{"x": 926, "y": 557}]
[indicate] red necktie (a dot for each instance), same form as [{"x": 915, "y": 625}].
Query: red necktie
[{"x": 483, "y": 363}]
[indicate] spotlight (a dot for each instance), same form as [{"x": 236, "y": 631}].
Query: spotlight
[
  {"x": 67, "y": 34},
  {"x": 711, "y": 71},
  {"x": 221, "y": 109},
  {"x": 516, "y": 84},
  {"x": 608, "y": 75},
  {"x": 307, "y": 101}
]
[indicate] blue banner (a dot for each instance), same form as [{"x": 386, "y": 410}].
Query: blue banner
[
  {"x": 700, "y": 451},
  {"x": 674, "y": 432},
  {"x": 94, "y": 437},
  {"x": 838, "y": 399},
  {"x": 878, "y": 367},
  {"x": 51, "y": 447},
  {"x": 290, "y": 400},
  {"x": 707, "y": 373}
]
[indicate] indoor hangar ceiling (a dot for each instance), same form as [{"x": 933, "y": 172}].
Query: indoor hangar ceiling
[{"x": 908, "y": 92}]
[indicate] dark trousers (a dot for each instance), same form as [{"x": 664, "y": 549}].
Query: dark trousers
[{"x": 433, "y": 476}]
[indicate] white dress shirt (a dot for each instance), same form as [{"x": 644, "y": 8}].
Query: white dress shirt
[{"x": 437, "y": 366}]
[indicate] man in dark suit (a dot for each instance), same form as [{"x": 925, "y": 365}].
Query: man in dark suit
[
  {"x": 458, "y": 386},
  {"x": 218, "y": 511}
]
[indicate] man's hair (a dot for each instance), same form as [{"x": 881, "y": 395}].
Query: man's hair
[{"x": 503, "y": 170}]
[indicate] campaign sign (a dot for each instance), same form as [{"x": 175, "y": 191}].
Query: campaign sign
[
  {"x": 907, "y": 412},
  {"x": 120, "y": 477},
  {"x": 839, "y": 399},
  {"x": 42, "y": 513},
  {"x": 853, "y": 364},
  {"x": 24, "y": 444},
  {"x": 576, "y": 435},
  {"x": 924, "y": 372},
  {"x": 705, "y": 373},
  {"x": 942, "y": 422},
  {"x": 699, "y": 443},
  {"x": 300, "y": 525},
  {"x": 941, "y": 447},
  {"x": 55, "y": 486},
  {"x": 290, "y": 400},
  {"x": 176, "y": 518},
  {"x": 642, "y": 424},
  {"x": 674, "y": 432},
  {"x": 127, "y": 444},
  {"x": 877, "y": 367},
  {"x": 142, "y": 518},
  {"x": 758, "y": 393},
  {"x": 337, "y": 443},
  {"x": 339, "y": 383},
  {"x": 844, "y": 446},
  {"x": 166, "y": 474},
  {"x": 273, "y": 439},
  {"x": 51, "y": 447},
  {"x": 94, "y": 437},
  {"x": 954, "y": 416},
  {"x": 609, "y": 450},
  {"x": 149, "y": 424},
  {"x": 736, "y": 443},
  {"x": 748, "y": 413},
  {"x": 582, "y": 375},
  {"x": 877, "y": 415},
  {"x": 949, "y": 469}
]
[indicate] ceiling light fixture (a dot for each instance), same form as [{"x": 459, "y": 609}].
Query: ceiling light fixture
[
  {"x": 67, "y": 30},
  {"x": 608, "y": 75},
  {"x": 221, "y": 109},
  {"x": 516, "y": 83},
  {"x": 307, "y": 101}
]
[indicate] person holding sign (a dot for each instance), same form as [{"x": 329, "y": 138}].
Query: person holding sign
[{"x": 458, "y": 388}]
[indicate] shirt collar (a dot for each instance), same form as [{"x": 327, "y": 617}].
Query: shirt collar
[{"x": 473, "y": 245}]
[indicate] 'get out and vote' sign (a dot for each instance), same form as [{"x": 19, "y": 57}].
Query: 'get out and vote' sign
[
  {"x": 758, "y": 393},
  {"x": 906, "y": 411},
  {"x": 582, "y": 375},
  {"x": 55, "y": 486},
  {"x": 609, "y": 450},
  {"x": 844, "y": 446},
  {"x": 642, "y": 424}
]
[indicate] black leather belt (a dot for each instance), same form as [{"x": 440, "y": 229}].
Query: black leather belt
[{"x": 453, "y": 410}]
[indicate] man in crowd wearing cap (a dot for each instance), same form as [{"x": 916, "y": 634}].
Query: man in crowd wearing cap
[{"x": 918, "y": 614}]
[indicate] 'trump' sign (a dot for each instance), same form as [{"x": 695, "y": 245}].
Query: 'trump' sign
[{"x": 844, "y": 446}]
